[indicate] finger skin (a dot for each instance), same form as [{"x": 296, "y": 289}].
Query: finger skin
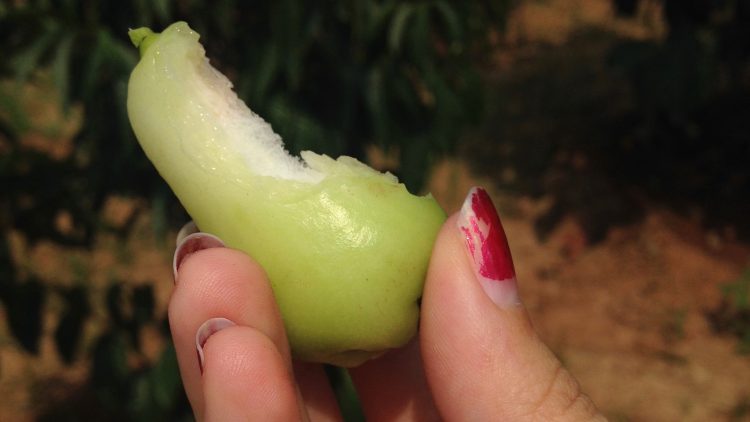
[
  {"x": 222, "y": 282},
  {"x": 246, "y": 378},
  {"x": 484, "y": 362},
  {"x": 393, "y": 387},
  {"x": 225, "y": 283},
  {"x": 320, "y": 402}
]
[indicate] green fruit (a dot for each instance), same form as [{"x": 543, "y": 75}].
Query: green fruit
[{"x": 346, "y": 248}]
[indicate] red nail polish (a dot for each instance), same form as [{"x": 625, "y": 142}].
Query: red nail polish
[{"x": 488, "y": 247}]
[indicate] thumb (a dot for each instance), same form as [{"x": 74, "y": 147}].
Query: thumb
[{"x": 482, "y": 358}]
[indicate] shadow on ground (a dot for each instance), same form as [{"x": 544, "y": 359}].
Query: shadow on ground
[{"x": 606, "y": 127}]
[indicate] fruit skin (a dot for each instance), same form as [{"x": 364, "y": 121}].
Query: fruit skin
[{"x": 345, "y": 247}]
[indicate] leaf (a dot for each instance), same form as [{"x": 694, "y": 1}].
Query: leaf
[
  {"x": 142, "y": 11},
  {"x": 162, "y": 9},
  {"x": 61, "y": 69},
  {"x": 70, "y": 329},
  {"x": 123, "y": 54},
  {"x": 286, "y": 29},
  {"x": 345, "y": 393},
  {"x": 13, "y": 113},
  {"x": 159, "y": 203},
  {"x": 114, "y": 302},
  {"x": 110, "y": 372},
  {"x": 294, "y": 67},
  {"x": 451, "y": 19},
  {"x": 378, "y": 17},
  {"x": 24, "y": 306},
  {"x": 376, "y": 103},
  {"x": 267, "y": 69},
  {"x": 143, "y": 304},
  {"x": 299, "y": 128},
  {"x": 91, "y": 72},
  {"x": 25, "y": 62},
  {"x": 165, "y": 378},
  {"x": 420, "y": 37},
  {"x": 415, "y": 160},
  {"x": 738, "y": 291},
  {"x": 398, "y": 25},
  {"x": 140, "y": 401}
]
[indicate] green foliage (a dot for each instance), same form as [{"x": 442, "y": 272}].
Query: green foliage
[
  {"x": 732, "y": 315},
  {"x": 149, "y": 392},
  {"x": 607, "y": 126},
  {"x": 330, "y": 76},
  {"x": 346, "y": 395},
  {"x": 738, "y": 292},
  {"x": 737, "y": 296}
]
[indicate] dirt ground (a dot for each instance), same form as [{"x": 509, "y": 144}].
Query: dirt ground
[{"x": 627, "y": 315}]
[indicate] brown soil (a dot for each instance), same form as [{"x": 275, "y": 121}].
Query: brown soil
[{"x": 627, "y": 316}]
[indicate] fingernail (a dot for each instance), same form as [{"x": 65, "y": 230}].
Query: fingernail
[
  {"x": 186, "y": 230},
  {"x": 191, "y": 244},
  {"x": 488, "y": 248},
  {"x": 206, "y": 330}
]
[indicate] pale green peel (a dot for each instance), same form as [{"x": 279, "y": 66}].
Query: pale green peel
[{"x": 346, "y": 247}]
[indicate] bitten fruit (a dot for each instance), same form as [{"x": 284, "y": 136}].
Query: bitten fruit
[{"x": 345, "y": 247}]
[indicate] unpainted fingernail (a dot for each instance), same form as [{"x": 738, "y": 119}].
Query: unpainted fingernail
[
  {"x": 186, "y": 230},
  {"x": 192, "y": 244},
  {"x": 488, "y": 248},
  {"x": 206, "y": 330}
]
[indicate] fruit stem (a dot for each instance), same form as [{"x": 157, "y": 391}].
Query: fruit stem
[{"x": 142, "y": 38}]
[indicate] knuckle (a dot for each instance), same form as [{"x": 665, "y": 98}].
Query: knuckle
[{"x": 564, "y": 400}]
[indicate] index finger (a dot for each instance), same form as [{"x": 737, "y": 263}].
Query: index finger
[{"x": 220, "y": 283}]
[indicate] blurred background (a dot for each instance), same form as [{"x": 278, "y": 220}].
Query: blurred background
[{"x": 614, "y": 136}]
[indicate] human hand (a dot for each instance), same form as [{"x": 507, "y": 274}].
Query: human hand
[{"x": 477, "y": 356}]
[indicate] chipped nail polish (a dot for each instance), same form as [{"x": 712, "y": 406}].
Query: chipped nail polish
[{"x": 488, "y": 248}]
